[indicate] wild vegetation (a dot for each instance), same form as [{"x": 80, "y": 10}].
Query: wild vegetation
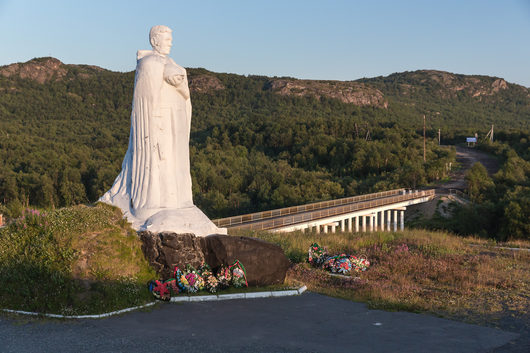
[
  {"x": 500, "y": 205},
  {"x": 422, "y": 271},
  {"x": 72, "y": 261},
  {"x": 254, "y": 145}
]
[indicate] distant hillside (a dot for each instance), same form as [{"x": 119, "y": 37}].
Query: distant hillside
[
  {"x": 458, "y": 100},
  {"x": 257, "y": 142},
  {"x": 484, "y": 99}
]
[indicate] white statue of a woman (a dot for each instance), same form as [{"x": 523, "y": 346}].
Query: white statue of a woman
[{"x": 153, "y": 188}]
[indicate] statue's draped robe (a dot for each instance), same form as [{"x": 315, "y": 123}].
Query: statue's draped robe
[{"x": 155, "y": 172}]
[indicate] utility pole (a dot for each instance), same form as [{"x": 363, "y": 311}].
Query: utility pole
[
  {"x": 490, "y": 134},
  {"x": 424, "y": 155}
]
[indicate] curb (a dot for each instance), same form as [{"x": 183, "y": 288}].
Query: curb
[
  {"x": 198, "y": 298},
  {"x": 252, "y": 295},
  {"x": 100, "y": 316}
]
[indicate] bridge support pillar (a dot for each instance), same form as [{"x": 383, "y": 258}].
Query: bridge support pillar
[
  {"x": 317, "y": 228},
  {"x": 383, "y": 221},
  {"x": 357, "y": 224},
  {"x": 325, "y": 226},
  {"x": 402, "y": 220},
  {"x": 395, "y": 220},
  {"x": 342, "y": 225},
  {"x": 376, "y": 220},
  {"x": 333, "y": 228},
  {"x": 372, "y": 218},
  {"x": 365, "y": 218},
  {"x": 350, "y": 220},
  {"x": 388, "y": 221}
]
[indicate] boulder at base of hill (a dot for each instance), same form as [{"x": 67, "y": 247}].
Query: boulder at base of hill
[{"x": 264, "y": 262}]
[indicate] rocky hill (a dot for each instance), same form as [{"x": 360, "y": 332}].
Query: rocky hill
[
  {"x": 346, "y": 91},
  {"x": 47, "y": 69},
  {"x": 376, "y": 92},
  {"x": 43, "y": 70},
  {"x": 446, "y": 86}
]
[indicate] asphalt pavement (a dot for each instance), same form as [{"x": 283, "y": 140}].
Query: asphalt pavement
[{"x": 306, "y": 323}]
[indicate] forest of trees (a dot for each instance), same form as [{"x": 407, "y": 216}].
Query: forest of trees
[
  {"x": 500, "y": 204},
  {"x": 62, "y": 142}
]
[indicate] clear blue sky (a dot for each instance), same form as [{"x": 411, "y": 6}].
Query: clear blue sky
[{"x": 343, "y": 40}]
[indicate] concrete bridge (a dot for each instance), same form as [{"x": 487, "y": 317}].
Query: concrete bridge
[{"x": 378, "y": 211}]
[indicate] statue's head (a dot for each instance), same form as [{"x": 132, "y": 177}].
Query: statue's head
[{"x": 161, "y": 39}]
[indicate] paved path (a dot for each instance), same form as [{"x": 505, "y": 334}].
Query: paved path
[{"x": 307, "y": 323}]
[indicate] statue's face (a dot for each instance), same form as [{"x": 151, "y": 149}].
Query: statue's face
[{"x": 164, "y": 43}]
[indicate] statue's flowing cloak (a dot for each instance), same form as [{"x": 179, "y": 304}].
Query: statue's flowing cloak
[{"x": 155, "y": 172}]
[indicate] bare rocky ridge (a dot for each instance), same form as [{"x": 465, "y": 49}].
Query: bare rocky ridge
[
  {"x": 345, "y": 91},
  {"x": 203, "y": 83},
  {"x": 364, "y": 92},
  {"x": 40, "y": 70},
  {"x": 448, "y": 85},
  {"x": 474, "y": 86},
  {"x": 44, "y": 70}
]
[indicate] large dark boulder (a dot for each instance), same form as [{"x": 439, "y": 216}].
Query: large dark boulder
[
  {"x": 166, "y": 250},
  {"x": 264, "y": 262}
]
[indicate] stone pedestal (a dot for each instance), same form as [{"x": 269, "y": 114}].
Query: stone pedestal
[
  {"x": 265, "y": 263},
  {"x": 166, "y": 250}
]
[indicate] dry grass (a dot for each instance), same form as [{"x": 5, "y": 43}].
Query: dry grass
[{"x": 423, "y": 271}]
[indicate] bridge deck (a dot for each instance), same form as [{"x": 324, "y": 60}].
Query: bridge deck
[{"x": 310, "y": 212}]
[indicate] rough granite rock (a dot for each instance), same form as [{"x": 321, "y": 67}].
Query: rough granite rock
[
  {"x": 40, "y": 70},
  {"x": 265, "y": 263},
  {"x": 346, "y": 91},
  {"x": 203, "y": 83},
  {"x": 166, "y": 250}
]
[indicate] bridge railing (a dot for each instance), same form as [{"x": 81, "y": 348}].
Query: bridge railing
[
  {"x": 251, "y": 217},
  {"x": 324, "y": 213}
]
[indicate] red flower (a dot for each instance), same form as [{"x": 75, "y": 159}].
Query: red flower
[{"x": 161, "y": 288}]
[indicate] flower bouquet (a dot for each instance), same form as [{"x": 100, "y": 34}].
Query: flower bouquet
[
  {"x": 224, "y": 276},
  {"x": 159, "y": 289},
  {"x": 336, "y": 264},
  {"x": 239, "y": 274},
  {"x": 360, "y": 264},
  {"x": 195, "y": 281},
  {"x": 172, "y": 286},
  {"x": 210, "y": 282},
  {"x": 181, "y": 280},
  {"x": 317, "y": 255}
]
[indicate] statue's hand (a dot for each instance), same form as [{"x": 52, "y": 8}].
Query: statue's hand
[{"x": 175, "y": 80}]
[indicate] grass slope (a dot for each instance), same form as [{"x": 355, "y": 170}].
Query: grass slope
[
  {"x": 422, "y": 271},
  {"x": 76, "y": 260}
]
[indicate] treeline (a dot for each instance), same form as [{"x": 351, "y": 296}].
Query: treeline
[
  {"x": 500, "y": 205},
  {"x": 63, "y": 142}
]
